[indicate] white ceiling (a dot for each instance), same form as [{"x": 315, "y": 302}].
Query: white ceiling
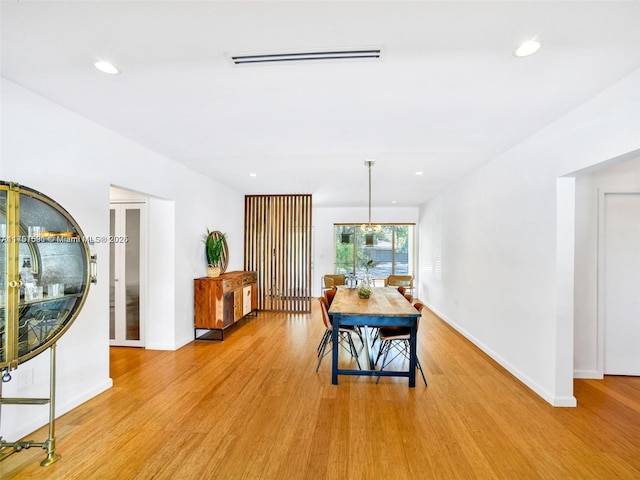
[{"x": 447, "y": 96}]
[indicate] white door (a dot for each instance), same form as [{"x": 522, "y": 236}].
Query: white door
[
  {"x": 126, "y": 274},
  {"x": 621, "y": 283}
]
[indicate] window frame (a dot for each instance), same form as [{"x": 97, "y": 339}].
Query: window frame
[{"x": 359, "y": 253}]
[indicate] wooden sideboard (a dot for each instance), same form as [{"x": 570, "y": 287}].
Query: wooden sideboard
[{"x": 219, "y": 302}]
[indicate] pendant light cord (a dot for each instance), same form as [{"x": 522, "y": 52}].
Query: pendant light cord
[{"x": 369, "y": 194}]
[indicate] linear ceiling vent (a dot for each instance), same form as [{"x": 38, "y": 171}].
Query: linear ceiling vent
[{"x": 330, "y": 55}]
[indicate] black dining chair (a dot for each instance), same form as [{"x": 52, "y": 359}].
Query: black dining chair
[{"x": 397, "y": 339}]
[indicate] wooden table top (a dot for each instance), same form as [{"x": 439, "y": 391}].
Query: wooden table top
[{"x": 384, "y": 302}]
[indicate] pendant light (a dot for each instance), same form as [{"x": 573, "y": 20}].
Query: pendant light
[{"x": 368, "y": 228}]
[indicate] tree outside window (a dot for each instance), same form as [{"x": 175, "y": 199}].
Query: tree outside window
[{"x": 391, "y": 253}]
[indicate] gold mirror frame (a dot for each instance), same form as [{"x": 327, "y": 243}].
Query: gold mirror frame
[{"x": 16, "y": 311}]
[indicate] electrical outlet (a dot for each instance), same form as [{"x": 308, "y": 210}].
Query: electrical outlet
[{"x": 26, "y": 377}]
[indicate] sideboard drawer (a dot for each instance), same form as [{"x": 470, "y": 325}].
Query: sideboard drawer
[{"x": 231, "y": 284}]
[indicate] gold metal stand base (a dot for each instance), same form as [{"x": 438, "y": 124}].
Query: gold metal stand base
[
  {"x": 5, "y": 452},
  {"x": 51, "y": 458},
  {"x": 7, "y": 448}
]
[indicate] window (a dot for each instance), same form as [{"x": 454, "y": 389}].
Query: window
[{"x": 391, "y": 252}]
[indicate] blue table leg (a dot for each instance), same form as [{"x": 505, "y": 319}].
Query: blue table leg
[
  {"x": 413, "y": 353},
  {"x": 334, "y": 349}
]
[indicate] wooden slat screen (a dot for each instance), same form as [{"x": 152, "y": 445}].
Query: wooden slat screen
[{"x": 277, "y": 243}]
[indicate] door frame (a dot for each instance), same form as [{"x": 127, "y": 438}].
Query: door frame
[
  {"x": 602, "y": 193},
  {"x": 143, "y": 207}
]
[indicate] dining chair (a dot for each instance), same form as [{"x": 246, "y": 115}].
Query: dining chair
[
  {"x": 397, "y": 339},
  {"x": 329, "y": 281},
  {"x": 330, "y": 294},
  {"x": 405, "y": 281},
  {"x": 374, "y": 330},
  {"x": 344, "y": 336}
]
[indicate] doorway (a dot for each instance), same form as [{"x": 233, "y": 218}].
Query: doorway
[
  {"x": 619, "y": 292},
  {"x": 127, "y": 253}
]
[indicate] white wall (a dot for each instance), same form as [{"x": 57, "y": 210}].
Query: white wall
[
  {"x": 488, "y": 253},
  {"x": 74, "y": 161},
  {"x": 323, "y": 240},
  {"x": 622, "y": 175}
]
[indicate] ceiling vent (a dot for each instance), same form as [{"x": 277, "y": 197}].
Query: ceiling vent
[{"x": 326, "y": 55}]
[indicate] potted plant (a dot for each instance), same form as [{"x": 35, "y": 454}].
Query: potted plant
[
  {"x": 364, "y": 291},
  {"x": 369, "y": 264},
  {"x": 214, "y": 246},
  {"x": 367, "y": 282}
]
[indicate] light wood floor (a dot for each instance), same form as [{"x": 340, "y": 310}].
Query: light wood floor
[{"x": 253, "y": 407}]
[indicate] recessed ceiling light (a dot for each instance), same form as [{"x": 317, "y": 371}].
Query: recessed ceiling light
[
  {"x": 419, "y": 173},
  {"x": 106, "y": 67},
  {"x": 527, "y": 48},
  {"x": 253, "y": 174}
]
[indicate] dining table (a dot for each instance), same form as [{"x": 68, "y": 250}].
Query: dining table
[{"x": 385, "y": 307}]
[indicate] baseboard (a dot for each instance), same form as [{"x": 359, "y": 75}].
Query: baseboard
[
  {"x": 593, "y": 374},
  {"x": 160, "y": 346},
  {"x": 556, "y": 401},
  {"x": 41, "y": 418},
  {"x": 565, "y": 401}
]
